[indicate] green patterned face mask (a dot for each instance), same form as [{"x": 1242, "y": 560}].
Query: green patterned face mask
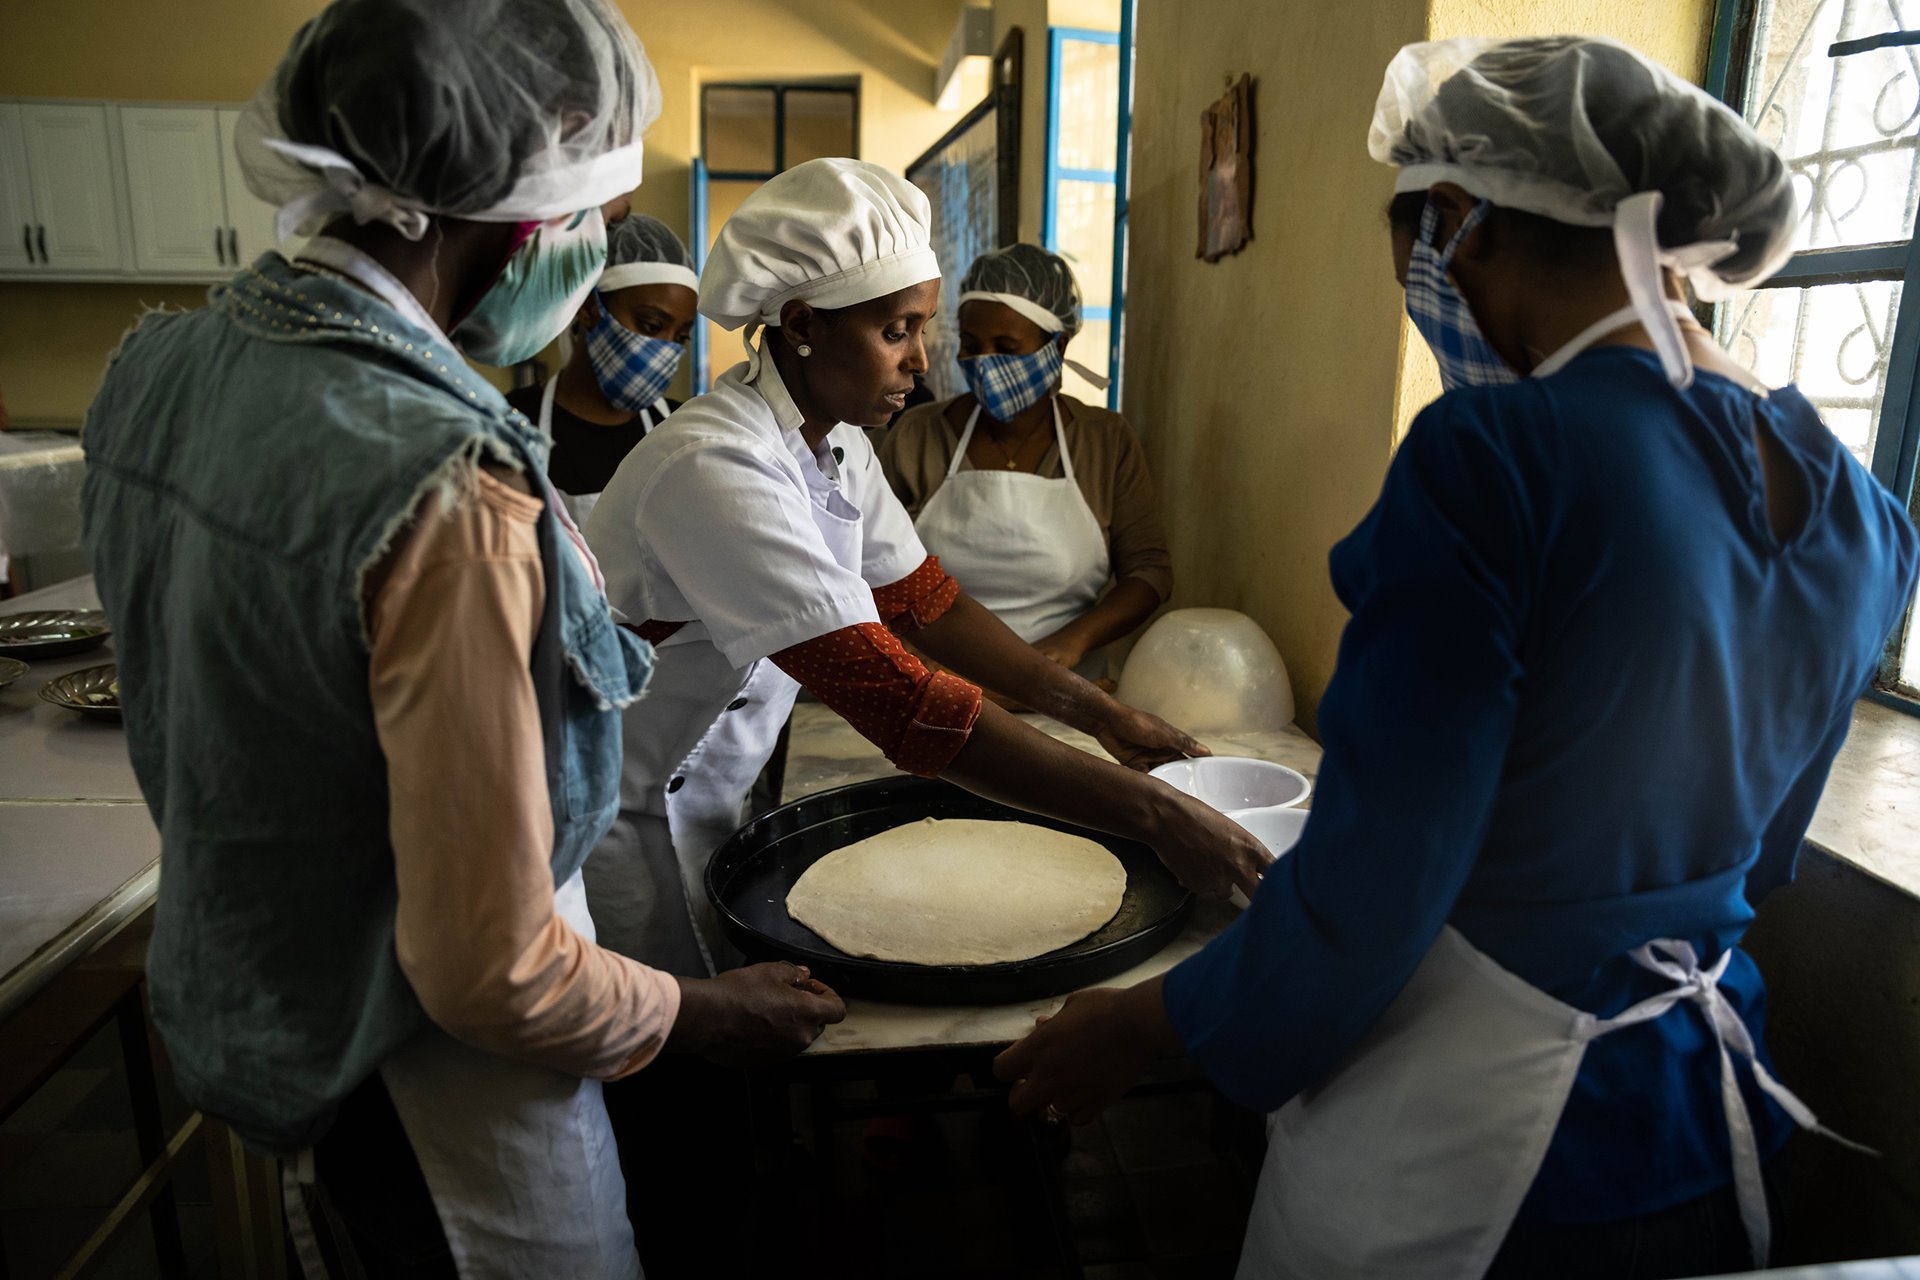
[{"x": 538, "y": 292}]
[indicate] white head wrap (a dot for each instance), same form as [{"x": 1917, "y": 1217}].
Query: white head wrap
[
  {"x": 1588, "y": 132},
  {"x": 397, "y": 110},
  {"x": 643, "y": 250},
  {"x": 829, "y": 232}
]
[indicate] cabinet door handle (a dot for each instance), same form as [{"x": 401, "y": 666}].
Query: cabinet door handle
[
  {"x": 43, "y": 244},
  {"x": 26, "y": 238},
  {"x": 219, "y": 247},
  {"x": 233, "y": 246}
]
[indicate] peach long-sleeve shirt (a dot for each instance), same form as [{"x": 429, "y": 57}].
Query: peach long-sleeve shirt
[{"x": 453, "y": 613}]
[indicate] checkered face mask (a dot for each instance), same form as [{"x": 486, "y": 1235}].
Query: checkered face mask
[
  {"x": 1007, "y": 385},
  {"x": 632, "y": 369},
  {"x": 1441, "y": 314}
]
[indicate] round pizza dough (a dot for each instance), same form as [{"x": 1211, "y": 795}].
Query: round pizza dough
[{"x": 960, "y": 891}]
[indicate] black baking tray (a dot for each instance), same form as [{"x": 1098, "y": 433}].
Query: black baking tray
[{"x": 749, "y": 876}]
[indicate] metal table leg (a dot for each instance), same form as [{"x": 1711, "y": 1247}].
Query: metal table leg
[{"x": 150, "y": 1129}]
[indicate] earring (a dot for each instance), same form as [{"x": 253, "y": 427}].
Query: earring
[{"x": 803, "y": 349}]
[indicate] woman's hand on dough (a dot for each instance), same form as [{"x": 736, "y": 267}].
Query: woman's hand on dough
[
  {"x": 1086, "y": 1057},
  {"x": 762, "y": 1013}
]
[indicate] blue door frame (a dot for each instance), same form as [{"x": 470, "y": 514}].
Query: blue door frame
[{"x": 1056, "y": 174}]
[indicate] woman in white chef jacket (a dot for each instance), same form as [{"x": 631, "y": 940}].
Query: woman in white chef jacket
[
  {"x": 754, "y": 540},
  {"x": 1609, "y": 619},
  {"x": 627, "y": 341},
  {"x": 1035, "y": 502}
]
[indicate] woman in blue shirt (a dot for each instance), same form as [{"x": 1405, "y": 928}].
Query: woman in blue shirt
[{"x": 1608, "y": 624}]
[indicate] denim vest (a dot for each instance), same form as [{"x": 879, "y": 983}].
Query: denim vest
[{"x": 247, "y": 464}]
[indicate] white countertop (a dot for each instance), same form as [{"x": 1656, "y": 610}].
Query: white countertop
[
  {"x": 824, "y": 751},
  {"x": 79, "y": 855}
]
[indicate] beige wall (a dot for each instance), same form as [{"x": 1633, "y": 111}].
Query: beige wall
[
  {"x": 54, "y": 338},
  {"x": 1264, "y": 384},
  {"x": 1272, "y": 386}
]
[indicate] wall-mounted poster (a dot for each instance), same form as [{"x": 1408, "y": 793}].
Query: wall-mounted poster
[{"x": 1226, "y": 173}]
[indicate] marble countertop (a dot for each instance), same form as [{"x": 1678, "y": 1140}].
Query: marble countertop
[
  {"x": 823, "y": 752},
  {"x": 1869, "y": 814},
  {"x": 79, "y": 855}
]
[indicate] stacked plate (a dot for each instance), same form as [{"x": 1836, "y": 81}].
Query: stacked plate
[
  {"x": 61, "y": 633},
  {"x": 93, "y": 692},
  {"x": 52, "y": 633}
]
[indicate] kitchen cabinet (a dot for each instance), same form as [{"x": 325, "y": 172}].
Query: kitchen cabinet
[
  {"x": 249, "y": 220},
  {"x": 105, "y": 192},
  {"x": 179, "y": 215},
  {"x": 70, "y": 184},
  {"x": 16, "y": 211}
]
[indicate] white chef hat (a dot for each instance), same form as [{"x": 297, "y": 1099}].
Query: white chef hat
[
  {"x": 1588, "y": 132},
  {"x": 831, "y": 232},
  {"x": 398, "y": 110}
]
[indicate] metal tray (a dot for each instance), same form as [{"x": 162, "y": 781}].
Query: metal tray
[
  {"x": 52, "y": 633},
  {"x": 749, "y": 876},
  {"x": 11, "y": 669},
  {"x": 84, "y": 691}
]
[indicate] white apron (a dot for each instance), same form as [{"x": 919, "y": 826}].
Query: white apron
[
  {"x": 695, "y": 743},
  {"x": 519, "y": 1159},
  {"x": 1412, "y": 1158},
  {"x": 580, "y": 505},
  {"x": 1026, "y": 547}
]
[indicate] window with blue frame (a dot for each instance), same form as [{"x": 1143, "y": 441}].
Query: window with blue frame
[
  {"x": 1082, "y": 176},
  {"x": 1835, "y": 86}
]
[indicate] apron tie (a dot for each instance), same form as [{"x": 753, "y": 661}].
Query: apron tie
[{"x": 1677, "y": 961}]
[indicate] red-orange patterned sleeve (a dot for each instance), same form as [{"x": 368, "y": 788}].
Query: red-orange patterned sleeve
[{"x": 918, "y": 718}]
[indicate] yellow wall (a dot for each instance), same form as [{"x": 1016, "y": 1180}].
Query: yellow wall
[
  {"x": 1269, "y": 386},
  {"x": 54, "y": 338}
]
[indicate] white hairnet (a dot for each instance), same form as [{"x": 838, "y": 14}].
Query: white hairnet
[
  {"x": 1588, "y": 132},
  {"x": 1036, "y": 283},
  {"x": 493, "y": 110},
  {"x": 643, "y": 250},
  {"x": 831, "y": 232}
]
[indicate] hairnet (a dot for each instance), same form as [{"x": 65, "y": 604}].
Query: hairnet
[
  {"x": 494, "y": 110},
  {"x": 832, "y": 232},
  {"x": 1036, "y": 283},
  {"x": 1586, "y": 131},
  {"x": 643, "y": 250}
]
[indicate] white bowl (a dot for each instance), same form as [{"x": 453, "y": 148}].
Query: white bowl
[
  {"x": 1236, "y": 782},
  {"x": 1278, "y": 829}
]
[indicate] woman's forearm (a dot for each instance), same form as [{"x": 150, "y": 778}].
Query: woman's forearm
[{"x": 971, "y": 641}]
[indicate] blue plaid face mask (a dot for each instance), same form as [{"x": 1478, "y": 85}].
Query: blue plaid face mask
[
  {"x": 1442, "y": 315},
  {"x": 1006, "y": 385},
  {"x": 632, "y": 369}
]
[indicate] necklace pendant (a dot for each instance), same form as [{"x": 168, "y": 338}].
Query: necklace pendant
[{"x": 1011, "y": 465}]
